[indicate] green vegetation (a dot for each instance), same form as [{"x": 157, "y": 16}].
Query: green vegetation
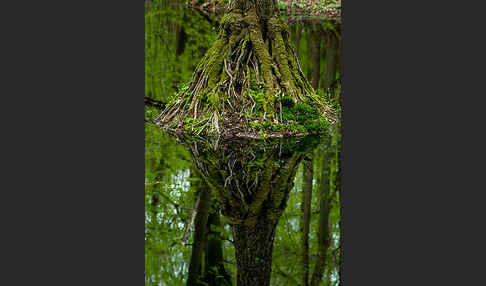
[
  {"x": 172, "y": 190},
  {"x": 176, "y": 41}
]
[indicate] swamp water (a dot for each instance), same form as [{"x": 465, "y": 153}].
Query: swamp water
[{"x": 207, "y": 200}]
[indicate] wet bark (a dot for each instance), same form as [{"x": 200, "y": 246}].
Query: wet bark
[
  {"x": 306, "y": 213},
  {"x": 200, "y": 229},
  {"x": 323, "y": 232}
]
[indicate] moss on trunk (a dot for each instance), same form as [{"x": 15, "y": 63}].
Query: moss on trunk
[
  {"x": 248, "y": 75},
  {"x": 251, "y": 180}
]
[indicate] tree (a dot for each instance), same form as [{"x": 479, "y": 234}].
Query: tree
[
  {"x": 251, "y": 180},
  {"x": 306, "y": 213},
  {"x": 250, "y": 73}
]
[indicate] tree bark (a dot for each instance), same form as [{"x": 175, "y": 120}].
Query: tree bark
[
  {"x": 253, "y": 246},
  {"x": 243, "y": 77},
  {"x": 265, "y": 8},
  {"x": 251, "y": 181},
  {"x": 306, "y": 213}
]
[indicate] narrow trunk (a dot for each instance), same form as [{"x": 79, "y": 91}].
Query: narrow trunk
[
  {"x": 199, "y": 233},
  {"x": 331, "y": 59},
  {"x": 340, "y": 193},
  {"x": 297, "y": 38},
  {"x": 181, "y": 39},
  {"x": 309, "y": 52},
  {"x": 323, "y": 232},
  {"x": 214, "y": 272},
  {"x": 254, "y": 247},
  {"x": 316, "y": 55},
  {"x": 306, "y": 213}
]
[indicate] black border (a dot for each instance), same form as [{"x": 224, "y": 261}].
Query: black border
[{"x": 73, "y": 174}]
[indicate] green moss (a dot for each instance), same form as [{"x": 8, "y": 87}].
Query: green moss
[
  {"x": 261, "y": 50},
  {"x": 267, "y": 125},
  {"x": 287, "y": 101}
]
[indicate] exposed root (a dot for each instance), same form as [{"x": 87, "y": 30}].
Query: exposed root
[{"x": 241, "y": 64}]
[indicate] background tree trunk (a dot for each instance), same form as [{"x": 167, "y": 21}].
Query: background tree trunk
[
  {"x": 199, "y": 231},
  {"x": 331, "y": 59},
  {"x": 316, "y": 55},
  {"x": 306, "y": 213},
  {"x": 214, "y": 272},
  {"x": 323, "y": 232}
]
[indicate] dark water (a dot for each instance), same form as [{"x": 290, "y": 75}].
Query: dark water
[{"x": 236, "y": 186}]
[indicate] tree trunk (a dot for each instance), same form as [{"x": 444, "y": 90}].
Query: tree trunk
[
  {"x": 265, "y": 8},
  {"x": 323, "y": 232},
  {"x": 181, "y": 39},
  {"x": 316, "y": 55},
  {"x": 214, "y": 272},
  {"x": 298, "y": 35},
  {"x": 247, "y": 76},
  {"x": 251, "y": 181},
  {"x": 306, "y": 213},
  {"x": 253, "y": 246},
  {"x": 331, "y": 59},
  {"x": 199, "y": 232}
]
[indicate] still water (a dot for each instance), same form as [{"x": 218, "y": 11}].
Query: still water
[{"x": 215, "y": 210}]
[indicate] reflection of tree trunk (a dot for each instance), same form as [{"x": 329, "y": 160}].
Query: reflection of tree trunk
[
  {"x": 316, "y": 55},
  {"x": 331, "y": 59},
  {"x": 306, "y": 210},
  {"x": 199, "y": 232},
  {"x": 323, "y": 232},
  {"x": 251, "y": 180},
  {"x": 253, "y": 247},
  {"x": 214, "y": 271}
]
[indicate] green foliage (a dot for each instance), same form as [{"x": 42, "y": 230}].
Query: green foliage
[
  {"x": 258, "y": 96},
  {"x": 282, "y": 5}
]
